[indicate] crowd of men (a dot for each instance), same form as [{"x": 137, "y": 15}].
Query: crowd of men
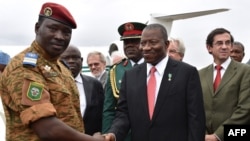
[{"x": 148, "y": 94}]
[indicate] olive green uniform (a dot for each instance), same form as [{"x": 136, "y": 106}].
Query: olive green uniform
[
  {"x": 113, "y": 84},
  {"x": 33, "y": 92}
]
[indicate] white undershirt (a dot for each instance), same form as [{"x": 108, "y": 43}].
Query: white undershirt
[
  {"x": 83, "y": 103},
  {"x": 160, "y": 68}
]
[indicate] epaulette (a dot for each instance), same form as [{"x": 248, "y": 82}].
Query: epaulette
[
  {"x": 114, "y": 88},
  {"x": 30, "y": 59}
]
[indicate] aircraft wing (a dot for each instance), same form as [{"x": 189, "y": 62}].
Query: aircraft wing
[
  {"x": 167, "y": 20},
  {"x": 187, "y": 15}
]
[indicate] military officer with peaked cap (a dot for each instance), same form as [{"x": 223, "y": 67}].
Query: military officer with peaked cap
[
  {"x": 130, "y": 35},
  {"x": 40, "y": 98}
]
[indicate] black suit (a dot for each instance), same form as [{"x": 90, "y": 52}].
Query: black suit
[
  {"x": 178, "y": 115},
  {"x": 95, "y": 97}
]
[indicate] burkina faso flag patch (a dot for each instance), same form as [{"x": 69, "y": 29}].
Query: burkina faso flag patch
[{"x": 35, "y": 91}]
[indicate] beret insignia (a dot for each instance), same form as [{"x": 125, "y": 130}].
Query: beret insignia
[
  {"x": 47, "y": 11},
  {"x": 129, "y": 26}
]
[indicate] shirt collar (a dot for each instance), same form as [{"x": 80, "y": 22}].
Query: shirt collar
[
  {"x": 78, "y": 78},
  {"x": 224, "y": 64},
  {"x": 139, "y": 62},
  {"x": 160, "y": 67}
]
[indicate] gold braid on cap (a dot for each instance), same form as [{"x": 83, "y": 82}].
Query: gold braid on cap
[{"x": 113, "y": 82}]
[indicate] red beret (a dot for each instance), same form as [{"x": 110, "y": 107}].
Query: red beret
[
  {"x": 131, "y": 30},
  {"x": 57, "y": 12}
]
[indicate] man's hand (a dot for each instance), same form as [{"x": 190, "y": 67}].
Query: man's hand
[
  {"x": 211, "y": 137},
  {"x": 99, "y": 137},
  {"x": 109, "y": 137}
]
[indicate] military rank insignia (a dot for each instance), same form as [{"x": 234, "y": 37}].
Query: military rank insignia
[
  {"x": 30, "y": 59},
  {"x": 35, "y": 91}
]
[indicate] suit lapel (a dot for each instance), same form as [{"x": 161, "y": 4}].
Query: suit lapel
[
  {"x": 209, "y": 78},
  {"x": 229, "y": 73},
  {"x": 87, "y": 89},
  {"x": 167, "y": 79}
]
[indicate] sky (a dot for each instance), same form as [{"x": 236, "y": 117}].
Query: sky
[{"x": 98, "y": 20}]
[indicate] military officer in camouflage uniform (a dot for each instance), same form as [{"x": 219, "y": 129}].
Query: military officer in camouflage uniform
[
  {"x": 130, "y": 35},
  {"x": 40, "y": 98}
]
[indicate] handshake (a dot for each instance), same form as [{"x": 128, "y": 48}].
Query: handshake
[{"x": 104, "y": 137}]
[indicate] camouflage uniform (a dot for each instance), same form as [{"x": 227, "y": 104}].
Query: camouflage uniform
[
  {"x": 113, "y": 84},
  {"x": 31, "y": 93}
]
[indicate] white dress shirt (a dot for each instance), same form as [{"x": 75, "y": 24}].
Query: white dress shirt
[
  {"x": 224, "y": 67},
  {"x": 160, "y": 67},
  {"x": 83, "y": 102}
]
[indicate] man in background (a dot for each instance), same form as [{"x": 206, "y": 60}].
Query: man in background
[
  {"x": 176, "y": 49},
  {"x": 97, "y": 65},
  {"x": 90, "y": 89},
  {"x": 225, "y": 85},
  {"x": 238, "y": 51},
  {"x": 4, "y": 60},
  {"x": 130, "y": 33}
]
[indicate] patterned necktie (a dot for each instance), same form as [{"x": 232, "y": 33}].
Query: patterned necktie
[
  {"x": 135, "y": 65},
  {"x": 218, "y": 77},
  {"x": 151, "y": 91}
]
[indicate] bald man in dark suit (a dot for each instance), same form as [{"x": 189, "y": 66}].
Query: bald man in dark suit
[{"x": 90, "y": 89}]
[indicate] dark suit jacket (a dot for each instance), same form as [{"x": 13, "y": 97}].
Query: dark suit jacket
[
  {"x": 230, "y": 104},
  {"x": 178, "y": 115},
  {"x": 95, "y": 97}
]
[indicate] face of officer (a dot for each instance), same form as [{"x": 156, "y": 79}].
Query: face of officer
[
  {"x": 72, "y": 56},
  {"x": 52, "y": 36},
  {"x": 131, "y": 49}
]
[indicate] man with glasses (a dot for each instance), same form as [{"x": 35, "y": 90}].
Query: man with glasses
[
  {"x": 97, "y": 65},
  {"x": 225, "y": 85},
  {"x": 176, "y": 49}
]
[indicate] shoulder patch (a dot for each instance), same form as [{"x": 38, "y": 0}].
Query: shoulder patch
[
  {"x": 30, "y": 59},
  {"x": 35, "y": 91}
]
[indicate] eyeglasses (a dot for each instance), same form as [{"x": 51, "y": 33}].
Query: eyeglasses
[
  {"x": 221, "y": 43},
  {"x": 94, "y": 64},
  {"x": 172, "y": 51}
]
